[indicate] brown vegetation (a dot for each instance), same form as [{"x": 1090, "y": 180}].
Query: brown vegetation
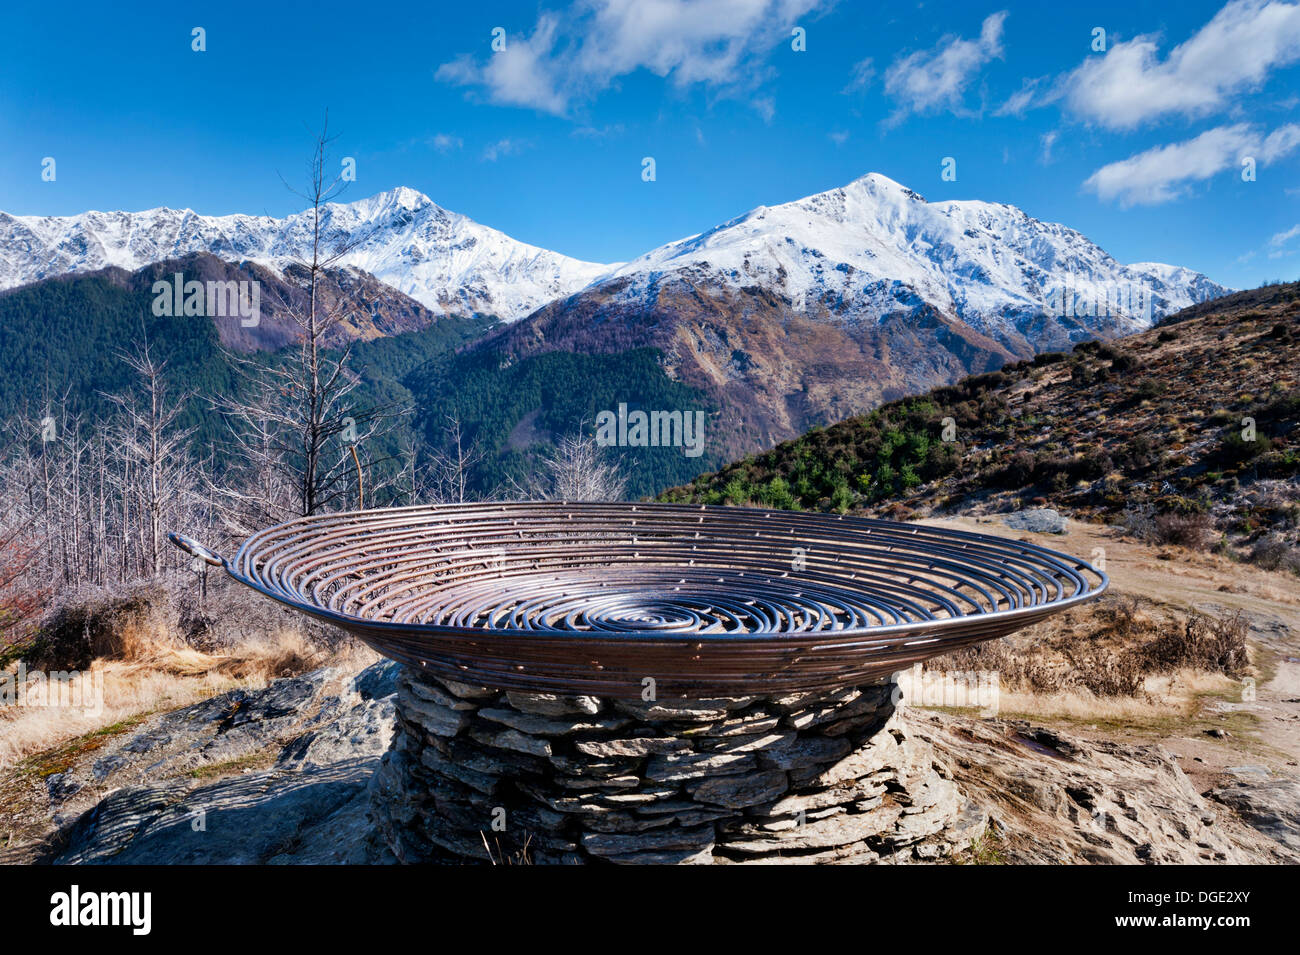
[{"x": 1188, "y": 434}]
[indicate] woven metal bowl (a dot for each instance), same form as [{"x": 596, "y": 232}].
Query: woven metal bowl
[{"x": 705, "y": 601}]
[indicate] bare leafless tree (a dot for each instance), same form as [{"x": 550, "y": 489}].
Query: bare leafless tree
[
  {"x": 578, "y": 469},
  {"x": 297, "y": 421},
  {"x": 452, "y": 465},
  {"x": 156, "y": 470}
]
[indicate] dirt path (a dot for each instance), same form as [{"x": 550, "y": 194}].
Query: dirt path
[{"x": 1264, "y": 733}]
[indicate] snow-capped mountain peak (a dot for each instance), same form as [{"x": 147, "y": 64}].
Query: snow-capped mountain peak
[
  {"x": 864, "y": 251},
  {"x": 444, "y": 260}
]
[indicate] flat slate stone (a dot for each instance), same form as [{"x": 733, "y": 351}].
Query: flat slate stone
[
  {"x": 634, "y": 746},
  {"x": 548, "y": 704},
  {"x": 673, "y": 838},
  {"x": 433, "y": 694},
  {"x": 695, "y": 711},
  {"x": 435, "y": 719},
  {"x": 535, "y": 725},
  {"x": 803, "y": 752},
  {"x": 682, "y": 766},
  {"x": 738, "y": 792},
  {"x": 512, "y": 740}
]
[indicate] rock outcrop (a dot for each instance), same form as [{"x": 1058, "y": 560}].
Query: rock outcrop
[
  {"x": 297, "y": 757},
  {"x": 1056, "y": 798},
  {"x": 292, "y": 774},
  {"x": 1271, "y": 806}
]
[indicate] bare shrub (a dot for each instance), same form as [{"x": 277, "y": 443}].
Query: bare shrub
[
  {"x": 1111, "y": 653},
  {"x": 114, "y": 623},
  {"x": 1212, "y": 644},
  {"x": 578, "y": 469},
  {"x": 1139, "y": 520},
  {"x": 1275, "y": 554},
  {"x": 237, "y": 632},
  {"x": 1193, "y": 531},
  {"x": 234, "y": 615}
]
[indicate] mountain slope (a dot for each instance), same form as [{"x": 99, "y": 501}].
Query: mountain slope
[
  {"x": 63, "y": 337},
  {"x": 445, "y": 261},
  {"x": 809, "y": 312},
  {"x": 1148, "y": 430}
]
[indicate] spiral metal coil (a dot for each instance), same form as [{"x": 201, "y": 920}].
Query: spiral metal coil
[{"x": 706, "y": 601}]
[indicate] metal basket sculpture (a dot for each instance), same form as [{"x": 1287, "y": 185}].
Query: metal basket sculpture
[{"x": 706, "y": 601}]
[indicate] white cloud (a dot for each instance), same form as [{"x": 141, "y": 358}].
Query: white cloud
[
  {"x": 1282, "y": 238},
  {"x": 599, "y": 132},
  {"x": 1166, "y": 172},
  {"x": 931, "y": 80},
  {"x": 523, "y": 74},
  {"x": 1020, "y": 100},
  {"x": 1049, "y": 140},
  {"x": 864, "y": 71},
  {"x": 1234, "y": 52},
  {"x": 718, "y": 43},
  {"x": 503, "y": 147},
  {"x": 445, "y": 143},
  {"x": 839, "y": 137}
]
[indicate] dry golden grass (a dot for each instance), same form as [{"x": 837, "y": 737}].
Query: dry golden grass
[
  {"x": 143, "y": 665},
  {"x": 1177, "y": 695}
]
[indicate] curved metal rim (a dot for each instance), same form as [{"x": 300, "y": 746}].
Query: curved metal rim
[{"x": 246, "y": 557}]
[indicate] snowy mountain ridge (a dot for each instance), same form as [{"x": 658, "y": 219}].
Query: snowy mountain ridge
[
  {"x": 859, "y": 253},
  {"x": 446, "y": 261}
]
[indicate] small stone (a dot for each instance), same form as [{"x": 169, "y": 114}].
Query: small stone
[
  {"x": 606, "y": 782},
  {"x": 438, "y": 720},
  {"x": 548, "y": 704},
  {"x": 832, "y": 832},
  {"x": 593, "y": 768},
  {"x": 587, "y": 804},
  {"x": 433, "y": 694},
  {"x": 864, "y": 705},
  {"x": 802, "y": 701},
  {"x": 512, "y": 740},
  {"x": 747, "y": 725},
  {"x": 880, "y": 751},
  {"x": 693, "y": 711},
  {"x": 667, "y": 857},
  {"x": 466, "y": 691},
  {"x": 803, "y": 753},
  {"x": 737, "y": 792},
  {"x": 1037, "y": 520},
  {"x": 759, "y": 745},
  {"x": 535, "y": 725},
  {"x": 681, "y": 766},
  {"x": 643, "y": 798},
  {"x": 483, "y": 782},
  {"x": 635, "y": 746},
  {"x": 607, "y": 845}
]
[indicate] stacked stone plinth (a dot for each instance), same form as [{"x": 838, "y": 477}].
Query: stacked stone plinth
[{"x": 476, "y": 774}]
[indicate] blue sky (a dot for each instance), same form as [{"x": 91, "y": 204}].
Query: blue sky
[{"x": 1139, "y": 146}]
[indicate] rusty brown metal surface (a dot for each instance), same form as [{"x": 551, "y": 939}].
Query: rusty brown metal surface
[{"x": 706, "y": 601}]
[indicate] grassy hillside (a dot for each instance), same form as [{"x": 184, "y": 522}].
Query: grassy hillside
[{"x": 1152, "y": 430}]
